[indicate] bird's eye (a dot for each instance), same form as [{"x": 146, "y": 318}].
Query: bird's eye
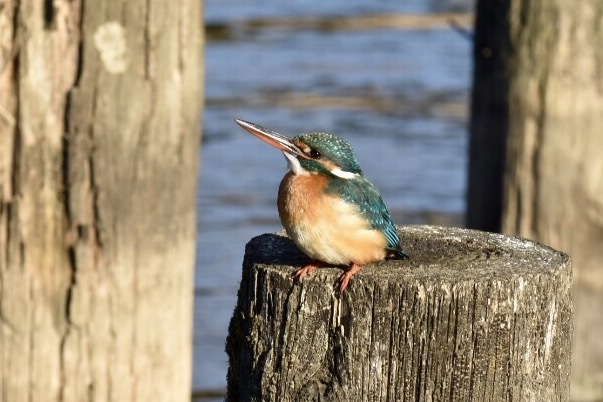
[{"x": 314, "y": 154}]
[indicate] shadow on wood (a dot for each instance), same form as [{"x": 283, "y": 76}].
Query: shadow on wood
[{"x": 471, "y": 316}]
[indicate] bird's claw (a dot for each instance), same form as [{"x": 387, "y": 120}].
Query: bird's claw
[
  {"x": 346, "y": 277},
  {"x": 307, "y": 270}
]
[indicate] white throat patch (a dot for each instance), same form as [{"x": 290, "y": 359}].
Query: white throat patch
[{"x": 294, "y": 164}]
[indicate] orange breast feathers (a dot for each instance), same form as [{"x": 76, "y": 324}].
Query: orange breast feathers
[{"x": 325, "y": 227}]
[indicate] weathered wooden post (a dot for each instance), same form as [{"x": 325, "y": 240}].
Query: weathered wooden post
[
  {"x": 100, "y": 105},
  {"x": 472, "y": 316}
]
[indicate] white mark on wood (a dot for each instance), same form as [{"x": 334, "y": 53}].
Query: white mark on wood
[
  {"x": 336, "y": 320},
  {"x": 550, "y": 330},
  {"x": 341, "y": 327},
  {"x": 421, "y": 293},
  {"x": 110, "y": 41},
  {"x": 519, "y": 292},
  {"x": 447, "y": 291},
  {"x": 302, "y": 301}
]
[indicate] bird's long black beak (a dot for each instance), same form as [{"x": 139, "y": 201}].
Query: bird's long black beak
[{"x": 273, "y": 138}]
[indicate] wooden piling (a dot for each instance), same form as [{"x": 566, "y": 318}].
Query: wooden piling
[{"x": 472, "y": 316}]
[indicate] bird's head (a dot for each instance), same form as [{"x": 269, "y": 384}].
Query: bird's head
[{"x": 311, "y": 152}]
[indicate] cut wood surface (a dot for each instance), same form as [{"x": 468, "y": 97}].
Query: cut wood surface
[{"x": 470, "y": 316}]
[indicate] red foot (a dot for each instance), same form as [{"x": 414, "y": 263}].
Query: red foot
[
  {"x": 344, "y": 280},
  {"x": 307, "y": 270}
]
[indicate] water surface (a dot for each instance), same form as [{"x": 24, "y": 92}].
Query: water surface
[{"x": 399, "y": 96}]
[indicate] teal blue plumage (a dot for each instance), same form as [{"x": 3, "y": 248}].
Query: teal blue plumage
[
  {"x": 358, "y": 190},
  {"x": 337, "y": 149}
]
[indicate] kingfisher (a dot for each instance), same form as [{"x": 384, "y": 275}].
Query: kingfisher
[{"x": 328, "y": 208}]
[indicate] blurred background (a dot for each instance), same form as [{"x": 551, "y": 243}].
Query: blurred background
[{"x": 396, "y": 87}]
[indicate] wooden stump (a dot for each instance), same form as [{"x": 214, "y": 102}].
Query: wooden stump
[{"x": 471, "y": 316}]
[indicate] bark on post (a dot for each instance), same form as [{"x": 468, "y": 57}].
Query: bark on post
[
  {"x": 553, "y": 68},
  {"x": 99, "y": 129},
  {"x": 471, "y": 316}
]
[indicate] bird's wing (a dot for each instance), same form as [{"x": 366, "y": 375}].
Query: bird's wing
[{"x": 362, "y": 193}]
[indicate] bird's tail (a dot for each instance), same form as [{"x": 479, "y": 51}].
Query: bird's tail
[
  {"x": 403, "y": 254},
  {"x": 399, "y": 253}
]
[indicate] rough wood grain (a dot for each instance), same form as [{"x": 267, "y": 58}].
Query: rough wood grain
[
  {"x": 99, "y": 130},
  {"x": 554, "y": 182},
  {"x": 470, "y": 317}
]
